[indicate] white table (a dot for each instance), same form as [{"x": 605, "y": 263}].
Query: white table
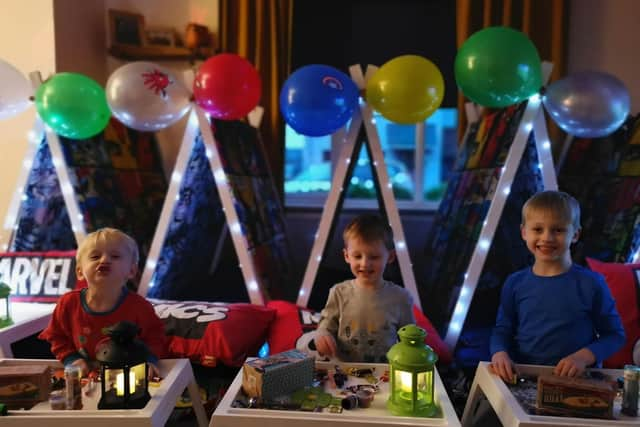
[
  {"x": 512, "y": 414},
  {"x": 176, "y": 373},
  {"x": 377, "y": 415},
  {"x": 28, "y": 318}
]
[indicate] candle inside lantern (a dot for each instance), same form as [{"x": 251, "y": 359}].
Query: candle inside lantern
[
  {"x": 406, "y": 381},
  {"x": 120, "y": 383}
]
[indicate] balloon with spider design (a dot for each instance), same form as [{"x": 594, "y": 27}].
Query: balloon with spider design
[{"x": 146, "y": 96}]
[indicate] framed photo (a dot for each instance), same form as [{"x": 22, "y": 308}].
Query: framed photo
[
  {"x": 161, "y": 36},
  {"x": 126, "y": 28}
]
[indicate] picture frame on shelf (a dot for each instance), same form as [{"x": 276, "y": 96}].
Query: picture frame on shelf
[
  {"x": 126, "y": 28},
  {"x": 161, "y": 36}
]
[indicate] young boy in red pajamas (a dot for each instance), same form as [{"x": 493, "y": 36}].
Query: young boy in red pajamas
[{"x": 106, "y": 260}]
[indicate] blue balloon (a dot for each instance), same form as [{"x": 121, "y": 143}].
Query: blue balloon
[
  {"x": 317, "y": 100},
  {"x": 588, "y": 104}
]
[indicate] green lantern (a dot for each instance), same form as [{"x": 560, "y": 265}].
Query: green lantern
[
  {"x": 412, "y": 370},
  {"x": 5, "y": 291}
]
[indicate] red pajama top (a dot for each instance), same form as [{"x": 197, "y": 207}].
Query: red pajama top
[{"x": 74, "y": 329}]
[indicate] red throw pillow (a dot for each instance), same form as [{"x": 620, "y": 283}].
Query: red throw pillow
[
  {"x": 433, "y": 339},
  {"x": 210, "y": 333},
  {"x": 292, "y": 327},
  {"x": 622, "y": 280},
  {"x": 295, "y": 327},
  {"x": 38, "y": 276}
]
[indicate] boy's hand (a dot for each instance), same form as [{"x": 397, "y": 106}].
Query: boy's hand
[
  {"x": 326, "y": 345},
  {"x": 574, "y": 364},
  {"x": 83, "y": 365},
  {"x": 154, "y": 372},
  {"x": 502, "y": 366}
]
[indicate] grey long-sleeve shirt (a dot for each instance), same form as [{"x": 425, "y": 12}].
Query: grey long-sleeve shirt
[{"x": 364, "y": 322}]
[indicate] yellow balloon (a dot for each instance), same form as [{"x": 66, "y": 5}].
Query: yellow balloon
[{"x": 406, "y": 89}]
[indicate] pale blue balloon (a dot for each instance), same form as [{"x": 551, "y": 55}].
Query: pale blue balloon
[{"x": 588, "y": 104}]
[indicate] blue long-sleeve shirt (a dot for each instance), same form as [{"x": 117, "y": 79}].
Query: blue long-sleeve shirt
[{"x": 544, "y": 319}]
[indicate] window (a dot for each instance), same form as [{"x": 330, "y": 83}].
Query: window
[
  {"x": 341, "y": 33},
  {"x": 309, "y": 162}
]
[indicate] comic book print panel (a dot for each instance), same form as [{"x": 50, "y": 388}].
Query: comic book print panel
[
  {"x": 255, "y": 199},
  {"x": 460, "y": 217},
  {"x": 119, "y": 181},
  {"x": 43, "y": 222},
  {"x": 117, "y": 147},
  {"x": 240, "y": 149},
  {"x": 195, "y": 226},
  {"x": 603, "y": 174}
]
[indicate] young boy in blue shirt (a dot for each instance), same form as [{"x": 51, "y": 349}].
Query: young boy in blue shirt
[{"x": 555, "y": 312}]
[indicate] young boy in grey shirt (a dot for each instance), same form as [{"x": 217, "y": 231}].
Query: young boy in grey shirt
[{"x": 362, "y": 315}]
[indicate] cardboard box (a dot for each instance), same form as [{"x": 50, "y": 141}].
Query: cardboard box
[
  {"x": 277, "y": 375},
  {"x": 22, "y": 386},
  {"x": 577, "y": 397}
]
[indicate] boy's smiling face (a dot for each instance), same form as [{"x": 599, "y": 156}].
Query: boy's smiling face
[
  {"x": 367, "y": 260},
  {"x": 549, "y": 237}
]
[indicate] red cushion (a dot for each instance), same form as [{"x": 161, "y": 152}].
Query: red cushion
[
  {"x": 38, "y": 276},
  {"x": 294, "y": 327},
  {"x": 622, "y": 280},
  {"x": 211, "y": 333},
  {"x": 433, "y": 339}
]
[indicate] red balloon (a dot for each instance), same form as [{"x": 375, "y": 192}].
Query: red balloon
[{"x": 227, "y": 86}]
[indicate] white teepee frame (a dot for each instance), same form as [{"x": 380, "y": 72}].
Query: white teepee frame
[
  {"x": 341, "y": 176},
  {"x": 198, "y": 121},
  {"x": 532, "y": 120}
]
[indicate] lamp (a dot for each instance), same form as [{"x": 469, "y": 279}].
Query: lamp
[
  {"x": 123, "y": 368},
  {"x": 412, "y": 369},
  {"x": 5, "y": 291}
]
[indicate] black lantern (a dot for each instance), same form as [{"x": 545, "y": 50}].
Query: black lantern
[{"x": 124, "y": 369}]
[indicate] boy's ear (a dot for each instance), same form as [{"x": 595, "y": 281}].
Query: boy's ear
[
  {"x": 392, "y": 256},
  {"x": 576, "y": 235},
  {"x": 522, "y": 232},
  {"x": 79, "y": 274},
  {"x": 133, "y": 271},
  {"x": 346, "y": 255}
]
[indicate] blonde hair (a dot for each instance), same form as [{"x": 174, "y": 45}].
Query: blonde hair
[
  {"x": 557, "y": 202},
  {"x": 370, "y": 229},
  {"x": 107, "y": 234}
]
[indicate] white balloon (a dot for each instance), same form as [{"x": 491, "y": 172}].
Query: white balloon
[
  {"x": 15, "y": 91},
  {"x": 146, "y": 96}
]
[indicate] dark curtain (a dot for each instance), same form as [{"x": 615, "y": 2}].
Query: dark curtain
[{"x": 260, "y": 31}]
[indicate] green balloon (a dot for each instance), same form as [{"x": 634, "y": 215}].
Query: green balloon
[
  {"x": 73, "y": 105},
  {"x": 497, "y": 67}
]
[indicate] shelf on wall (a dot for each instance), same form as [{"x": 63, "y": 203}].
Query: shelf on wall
[{"x": 165, "y": 53}]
